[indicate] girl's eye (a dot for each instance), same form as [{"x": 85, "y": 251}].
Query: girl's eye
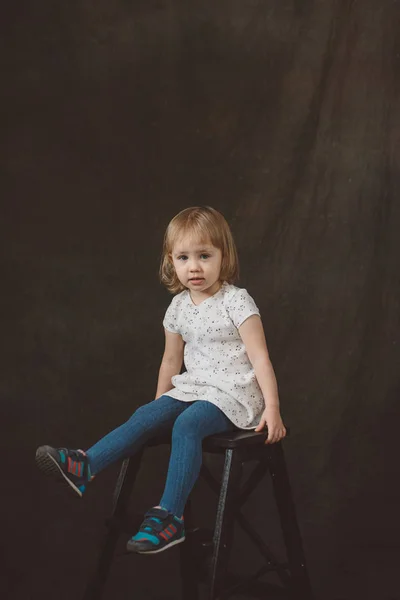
[
  {"x": 204, "y": 256},
  {"x": 183, "y": 257}
]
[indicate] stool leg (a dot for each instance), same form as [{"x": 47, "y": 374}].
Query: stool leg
[
  {"x": 190, "y": 590},
  {"x": 224, "y": 523},
  {"x": 123, "y": 488},
  {"x": 300, "y": 586}
]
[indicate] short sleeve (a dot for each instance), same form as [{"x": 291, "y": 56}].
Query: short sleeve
[
  {"x": 241, "y": 307},
  {"x": 170, "y": 321}
]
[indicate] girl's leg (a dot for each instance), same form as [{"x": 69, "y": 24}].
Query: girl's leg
[
  {"x": 200, "y": 420},
  {"x": 76, "y": 467},
  {"x": 147, "y": 421}
]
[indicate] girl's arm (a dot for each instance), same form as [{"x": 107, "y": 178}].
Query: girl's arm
[
  {"x": 252, "y": 334},
  {"x": 171, "y": 363}
]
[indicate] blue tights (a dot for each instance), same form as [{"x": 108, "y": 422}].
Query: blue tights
[{"x": 190, "y": 423}]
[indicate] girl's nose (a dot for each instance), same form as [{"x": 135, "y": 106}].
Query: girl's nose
[{"x": 194, "y": 266}]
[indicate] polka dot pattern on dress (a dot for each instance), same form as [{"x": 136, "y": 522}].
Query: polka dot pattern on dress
[{"x": 218, "y": 368}]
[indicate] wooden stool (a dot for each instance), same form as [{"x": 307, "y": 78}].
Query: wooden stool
[{"x": 205, "y": 555}]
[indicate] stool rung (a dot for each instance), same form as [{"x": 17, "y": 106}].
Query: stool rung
[
  {"x": 247, "y": 488},
  {"x": 264, "y": 550},
  {"x": 251, "y": 584}
]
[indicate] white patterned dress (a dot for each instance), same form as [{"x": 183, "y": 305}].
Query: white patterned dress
[{"x": 218, "y": 368}]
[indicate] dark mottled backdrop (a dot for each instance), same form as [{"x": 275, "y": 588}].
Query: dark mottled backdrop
[{"x": 284, "y": 114}]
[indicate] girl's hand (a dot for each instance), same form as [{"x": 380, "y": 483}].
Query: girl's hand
[{"x": 271, "y": 418}]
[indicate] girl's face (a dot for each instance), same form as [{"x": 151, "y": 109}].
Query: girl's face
[{"x": 197, "y": 265}]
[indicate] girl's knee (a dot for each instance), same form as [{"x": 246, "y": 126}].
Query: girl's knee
[{"x": 185, "y": 428}]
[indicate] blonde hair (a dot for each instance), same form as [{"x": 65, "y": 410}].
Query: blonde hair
[{"x": 205, "y": 224}]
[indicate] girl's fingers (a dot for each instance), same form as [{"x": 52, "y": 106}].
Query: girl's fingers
[
  {"x": 271, "y": 437},
  {"x": 275, "y": 433},
  {"x": 275, "y": 436}
]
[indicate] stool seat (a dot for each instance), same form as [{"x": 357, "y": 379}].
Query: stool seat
[
  {"x": 221, "y": 441},
  {"x": 205, "y": 554}
]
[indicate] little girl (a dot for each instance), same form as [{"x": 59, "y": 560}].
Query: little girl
[{"x": 229, "y": 383}]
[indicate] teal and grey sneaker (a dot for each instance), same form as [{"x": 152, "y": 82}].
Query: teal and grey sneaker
[
  {"x": 159, "y": 531},
  {"x": 70, "y": 466}
]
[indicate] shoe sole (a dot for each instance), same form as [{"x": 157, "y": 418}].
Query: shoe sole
[
  {"x": 182, "y": 539},
  {"x": 49, "y": 466}
]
